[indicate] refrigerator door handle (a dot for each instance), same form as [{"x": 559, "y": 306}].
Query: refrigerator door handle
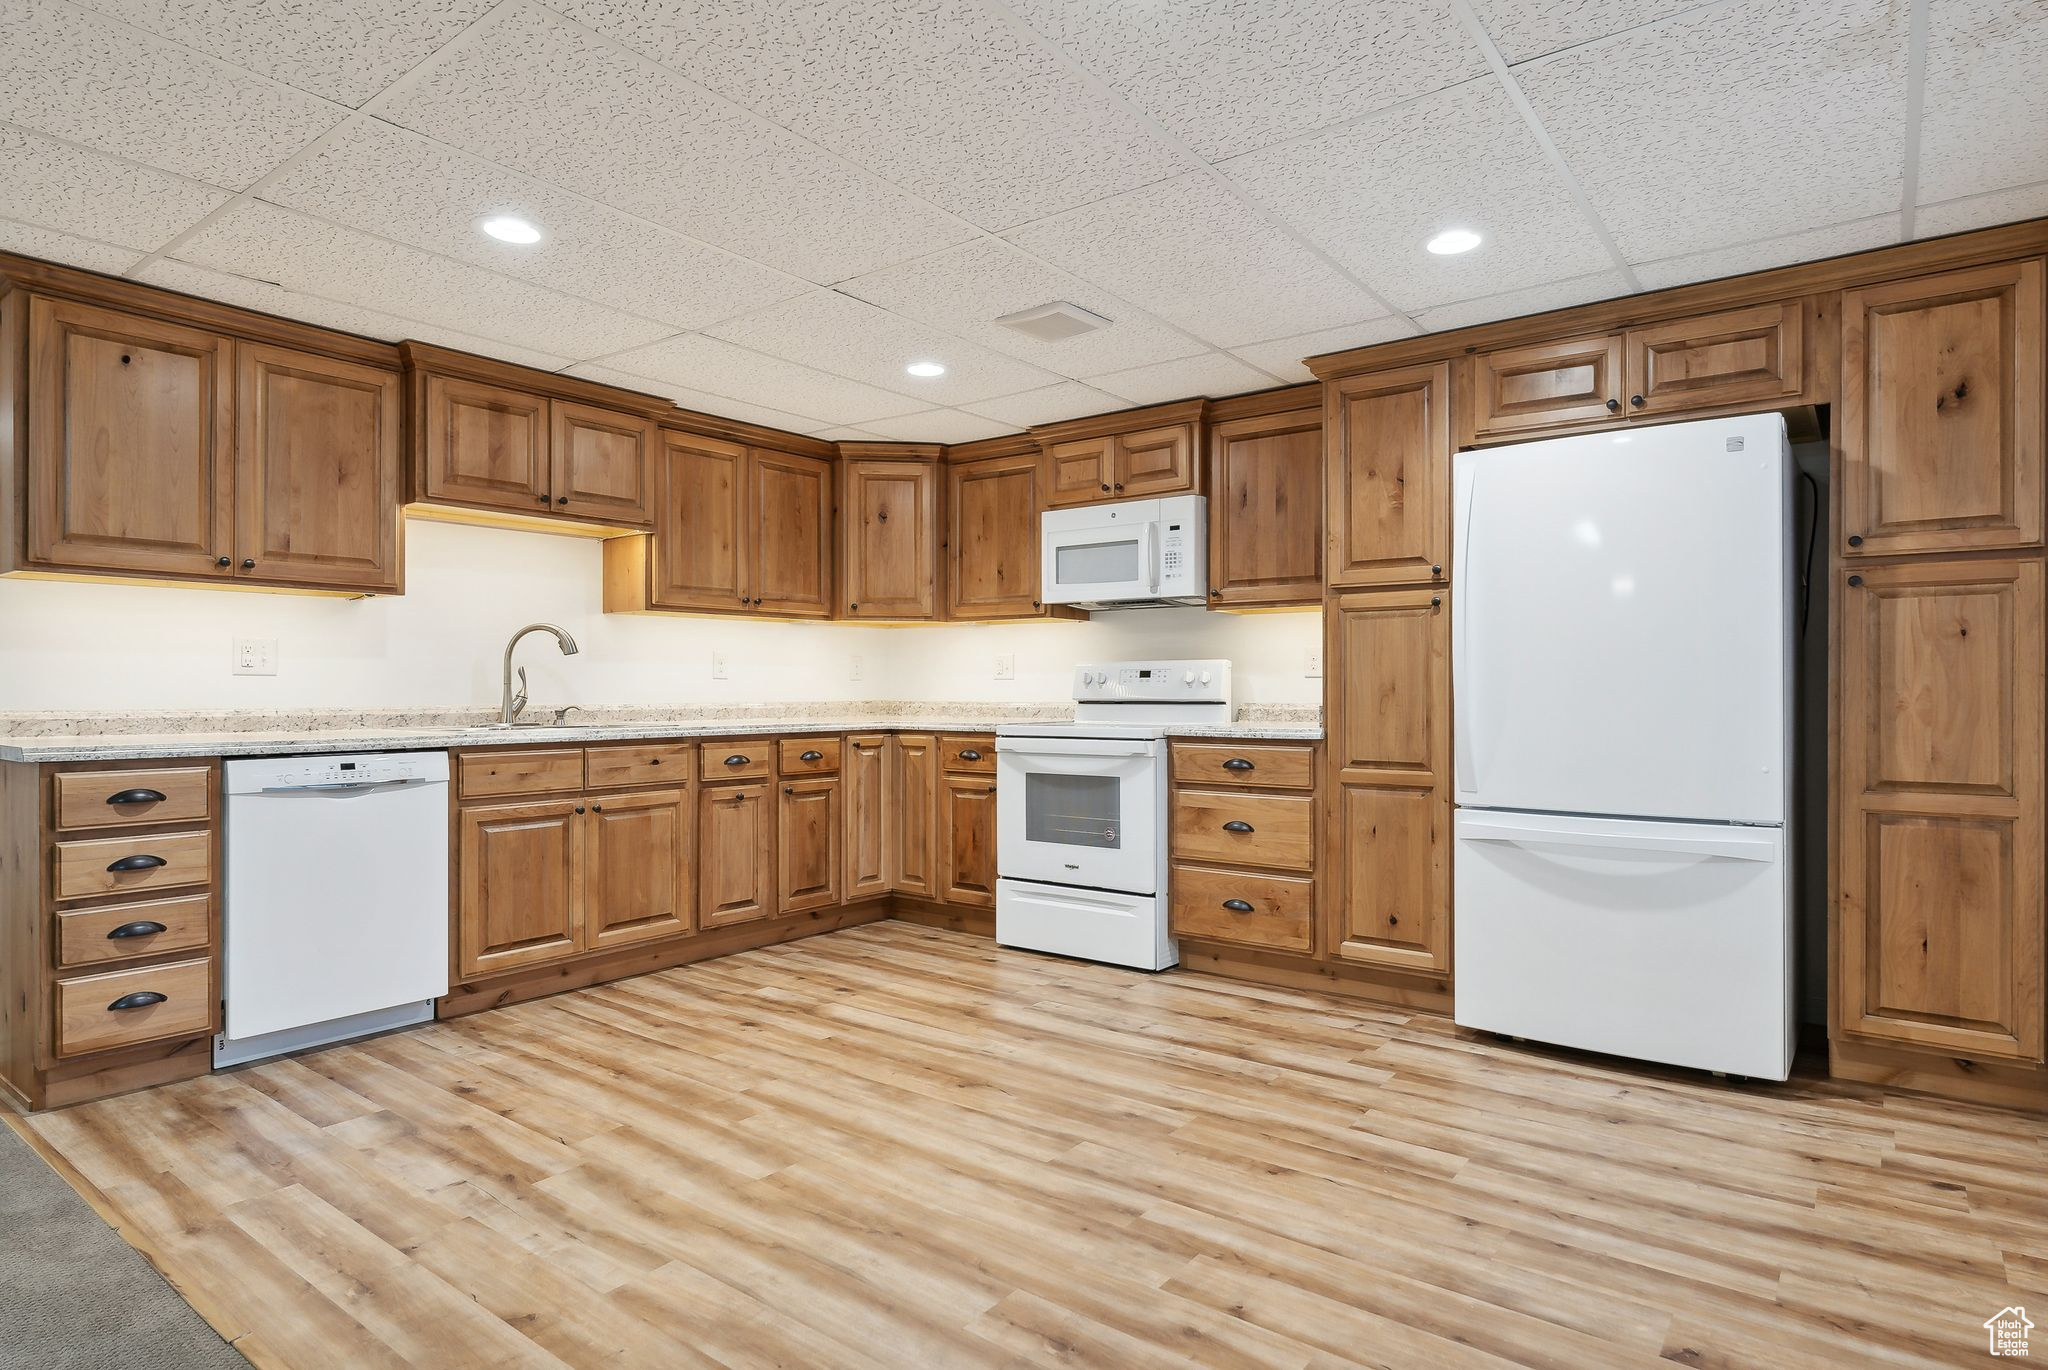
[
  {"x": 1467, "y": 493},
  {"x": 1734, "y": 844}
]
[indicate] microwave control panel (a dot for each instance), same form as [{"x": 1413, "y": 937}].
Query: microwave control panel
[{"x": 1162, "y": 682}]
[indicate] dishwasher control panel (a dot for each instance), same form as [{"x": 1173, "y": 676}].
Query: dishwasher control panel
[{"x": 328, "y": 772}]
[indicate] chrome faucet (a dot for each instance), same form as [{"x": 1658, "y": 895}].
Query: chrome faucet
[{"x": 510, "y": 704}]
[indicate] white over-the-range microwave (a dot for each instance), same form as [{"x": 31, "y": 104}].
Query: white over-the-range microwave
[{"x": 1132, "y": 554}]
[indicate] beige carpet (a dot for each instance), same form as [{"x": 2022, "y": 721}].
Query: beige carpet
[{"x": 74, "y": 1296}]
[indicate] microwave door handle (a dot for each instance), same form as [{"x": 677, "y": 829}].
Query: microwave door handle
[{"x": 1148, "y": 556}]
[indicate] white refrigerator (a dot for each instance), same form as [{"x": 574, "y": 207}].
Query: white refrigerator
[{"x": 1622, "y": 648}]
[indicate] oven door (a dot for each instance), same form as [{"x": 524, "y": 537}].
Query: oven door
[
  {"x": 1108, "y": 561},
  {"x": 1081, "y": 811}
]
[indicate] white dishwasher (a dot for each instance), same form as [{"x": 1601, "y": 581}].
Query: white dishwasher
[{"x": 336, "y": 922}]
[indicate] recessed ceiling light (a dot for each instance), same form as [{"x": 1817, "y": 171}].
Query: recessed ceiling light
[
  {"x": 507, "y": 229},
  {"x": 1452, "y": 241},
  {"x": 926, "y": 369}
]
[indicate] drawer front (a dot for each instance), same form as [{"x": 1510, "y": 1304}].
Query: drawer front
[
  {"x": 125, "y": 865},
  {"x": 543, "y": 771},
  {"x": 752, "y": 759},
  {"x": 114, "y": 799},
  {"x": 1244, "y": 829},
  {"x": 642, "y": 763},
  {"x": 1243, "y": 765},
  {"x": 123, "y": 932},
  {"x": 1274, "y": 911},
  {"x": 87, "y": 1019},
  {"x": 968, "y": 753},
  {"x": 810, "y": 755}
]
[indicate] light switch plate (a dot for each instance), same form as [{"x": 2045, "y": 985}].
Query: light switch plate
[
  {"x": 255, "y": 656},
  {"x": 1312, "y": 663},
  {"x": 1006, "y": 666}
]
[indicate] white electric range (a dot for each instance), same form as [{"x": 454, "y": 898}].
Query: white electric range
[{"x": 1081, "y": 832}]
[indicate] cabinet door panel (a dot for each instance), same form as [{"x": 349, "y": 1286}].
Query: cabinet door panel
[
  {"x": 1266, "y": 510},
  {"x": 992, "y": 539},
  {"x": 484, "y": 445},
  {"x": 637, "y": 869},
  {"x": 870, "y": 821},
  {"x": 520, "y": 895},
  {"x": 1394, "y": 897},
  {"x": 1517, "y": 390},
  {"x": 791, "y": 525},
  {"x": 1729, "y": 358},
  {"x": 808, "y": 844},
  {"x": 889, "y": 545},
  {"x": 735, "y": 854},
  {"x": 1941, "y": 422},
  {"x": 318, "y": 454},
  {"x": 130, "y": 434},
  {"x": 967, "y": 805},
  {"x": 1387, "y": 507},
  {"x": 913, "y": 792},
  {"x": 1390, "y": 688},
  {"x": 1154, "y": 462},
  {"x": 1080, "y": 472},
  {"x": 601, "y": 464},
  {"x": 700, "y": 543}
]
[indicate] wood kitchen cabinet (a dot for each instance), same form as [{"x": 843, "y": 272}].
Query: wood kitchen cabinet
[
  {"x": 481, "y": 445},
  {"x": 810, "y": 844},
  {"x": 789, "y": 506},
  {"x": 736, "y": 853},
  {"x": 889, "y": 537},
  {"x": 1387, "y": 496},
  {"x": 1266, "y": 510},
  {"x": 1136, "y": 454},
  {"x": 1249, "y": 884},
  {"x": 992, "y": 541},
  {"x": 1387, "y": 823},
  {"x": 637, "y": 875},
  {"x": 967, "y": 821},
  {"x": 914, "y": 790},
  {"x": 520, "y": 894},
  {"x": 1941, "y": 424},
  {"x": 600, "y": 464},
  {"x": 871, "y": 820}
]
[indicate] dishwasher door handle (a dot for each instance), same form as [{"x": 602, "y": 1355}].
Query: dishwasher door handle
[{"x": 345, "y": 787}]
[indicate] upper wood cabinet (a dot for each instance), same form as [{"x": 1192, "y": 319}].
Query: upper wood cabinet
[
  {"x": 789, "y": 507},
  {"x": 318, "y": 470},
  {"x": 889, "y": 538},
  {"x": 600, "y": 464},
  {"x": 1516, "y": 390},
  {"x": 1080, "y": 471},
  {"x": 1387, "y": 500},
  {"x": 1266, "y": 509},
  {"x": 1940, "y": 428},
  {"x": 992, "y": 543},
  {"x": 1136, "y": 454}
]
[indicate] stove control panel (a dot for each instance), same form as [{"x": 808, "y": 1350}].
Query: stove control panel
[{"x": 1152, "y": 682}]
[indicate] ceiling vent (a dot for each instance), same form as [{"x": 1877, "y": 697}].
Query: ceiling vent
[{"x": 1054, "y": 322}]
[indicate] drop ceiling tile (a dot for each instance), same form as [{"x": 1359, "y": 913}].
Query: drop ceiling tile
[
  {"x": 532, "y": 91},
  {"x": 1372, "y": 193},
  {"x": 30, "y": 241},
  {"x": 260, "y": 240},
  {"x": 965, "y": 289},
  {"x": 387, "y": 181},
  {"x": 1232, "y": 75},
  {"x": 75, "y": 190},
  {"x": 1212, "y": 373},
  {"x": 1982, "y": 211},
  {"x": 1809, "y": 246},
  {"x": 837, "y": 333},
  {"x": 1523, "y": 29},
  {"x": 942, "y": 97},
  {"x": 844, "y": 434},
  {"x": 1603, "y": 285},
  {"x": 85, "y": 78},
  {"x": 1986, "y": 83},
  {"x": 702, "y": 401},
  {"x": 348, "y": 318},
  {"x": 1740, "y": 121},
  {"x": 1048, "y": 404},
  {"x": 722, "y": 368},
  {"x": 1195, "y": 254},
  {"x": 1282, "y": 356},
  {"x": 939, "y": 425},
  {"x": 345, "y": 53}
]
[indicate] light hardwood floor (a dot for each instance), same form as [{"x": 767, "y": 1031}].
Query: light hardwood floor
[{"x": 900, "y": 1147}]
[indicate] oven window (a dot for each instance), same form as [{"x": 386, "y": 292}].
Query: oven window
[
  {"x": 1072, "y": 810},
  {"x": 1097, "y": 563}
]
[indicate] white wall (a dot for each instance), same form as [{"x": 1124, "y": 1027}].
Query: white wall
[{"x": 99, "y": 647}]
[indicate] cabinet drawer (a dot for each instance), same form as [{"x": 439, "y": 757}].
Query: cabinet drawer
[
  {"x": 1263, "y": 767},
  {"x": 121, "y": 932},
  {"x": 969, "y": 753},
  {"x": 748, "y": 760},
  {"x": 642, "y": 763},
  {"x": 1244, "y": 829},
  {"x": 810, "y": 755},
  {"x": 114, "y": 799},
  {"x": 1236, "y": 906},
  {"x": 547, "y": 771},
  {"x": 124, "y": 865},
  {"x": 87, "y": 1019}
]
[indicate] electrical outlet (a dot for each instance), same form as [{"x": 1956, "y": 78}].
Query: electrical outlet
[
  {"x": 255, "y": 656},
  {"x": 1312, "y": 663},
  {"x": 1006, "y": 665},
  {"x": 854, "y": 667},
  {"x": 718, "y": 665}
]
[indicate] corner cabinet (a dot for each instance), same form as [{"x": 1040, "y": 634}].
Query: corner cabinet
[
  {"x": 992, "y": 507},
  {"x": 889, "y": 537}
]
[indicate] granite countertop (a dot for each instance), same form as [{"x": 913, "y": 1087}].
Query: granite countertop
[{"x": 149, "y": 736}]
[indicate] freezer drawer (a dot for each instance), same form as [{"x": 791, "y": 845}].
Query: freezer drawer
[{"x": 1660, "y": 941}]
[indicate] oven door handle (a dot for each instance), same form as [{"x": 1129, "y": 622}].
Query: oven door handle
[{"x": 1032, "y": 749}]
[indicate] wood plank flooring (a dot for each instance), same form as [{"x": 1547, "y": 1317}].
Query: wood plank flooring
[{"x": 901, "y": 1147}]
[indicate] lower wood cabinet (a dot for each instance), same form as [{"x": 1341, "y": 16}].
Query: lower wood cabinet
[
  {"x": 967, "y": 821},
  {"x": 1241, "y": 834},
  {"x": 913, "y": 802},
  {"x": 735, "y": 853},
  {"x": 870, "y": 822},
  {"x": 809, "y": 844},
  {"x": 637, "y": 876}
]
